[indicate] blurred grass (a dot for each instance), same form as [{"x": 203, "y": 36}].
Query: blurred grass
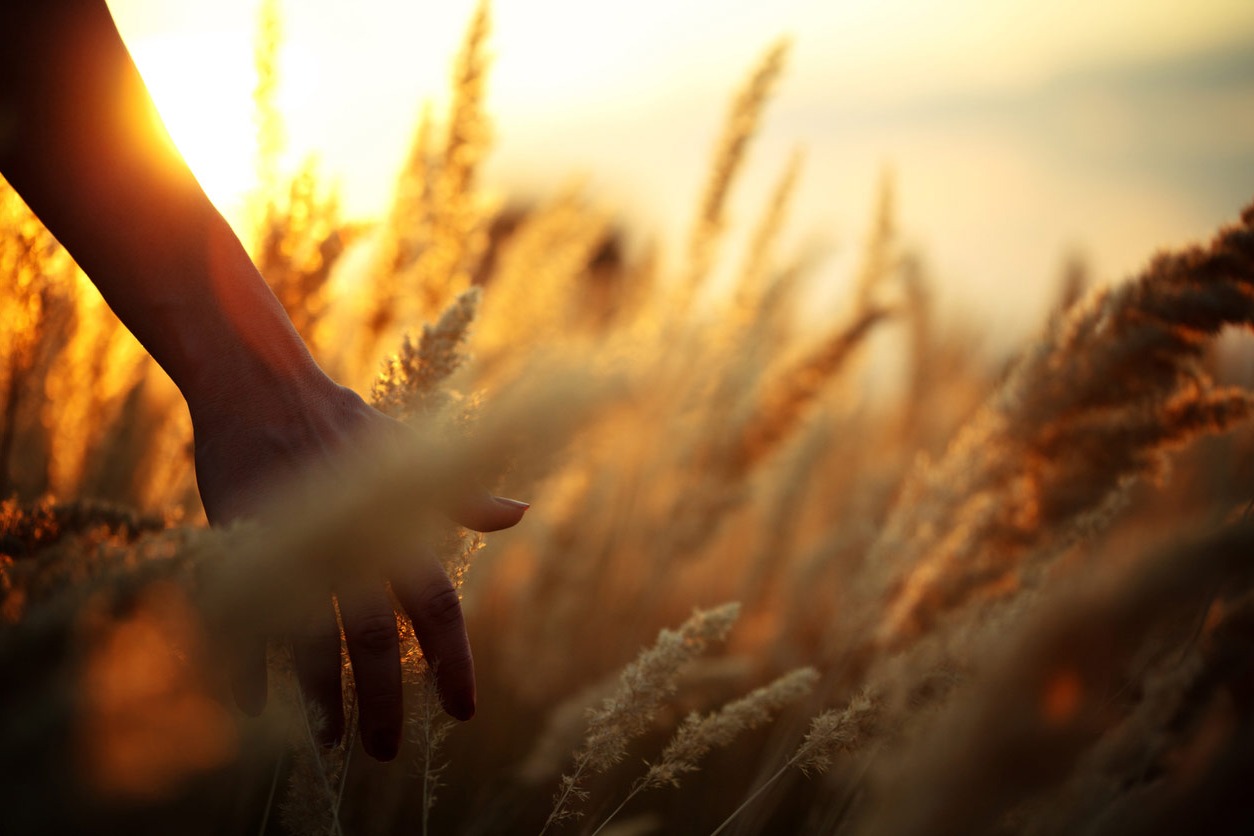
[{"x": 1024, "y": 585}]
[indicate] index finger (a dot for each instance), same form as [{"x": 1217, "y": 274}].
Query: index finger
[{"x": 434, "y": 607}]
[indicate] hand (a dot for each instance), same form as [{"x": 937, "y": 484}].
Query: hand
[
  {"x": 82, "y": 147},
  {"x": 255, "y": 443}
]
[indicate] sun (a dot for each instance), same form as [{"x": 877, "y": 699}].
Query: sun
[{"x": 202, "y": 84}]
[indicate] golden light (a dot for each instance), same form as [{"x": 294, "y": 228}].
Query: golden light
[
  {"x": 202, "y": 84},
  {"x": 147, "y": 721},
  {"x": 968, "y": 98},
  {"x": 1064, "y": 693}
]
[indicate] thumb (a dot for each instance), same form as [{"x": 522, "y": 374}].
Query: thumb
[{"x": 482, "y": 511}]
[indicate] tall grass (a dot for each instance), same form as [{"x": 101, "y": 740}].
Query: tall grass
[{"x": 998, "y": 597}]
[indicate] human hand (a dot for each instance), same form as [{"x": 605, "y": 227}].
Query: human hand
[
  {"x": 84, "y": 148},
  {"x": 242, "y": 451}
]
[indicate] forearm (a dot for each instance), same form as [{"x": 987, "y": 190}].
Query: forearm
[{"x": 81, "y": 142}]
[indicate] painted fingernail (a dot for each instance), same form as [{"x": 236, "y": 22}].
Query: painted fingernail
[{"x": 512, "y": 503}]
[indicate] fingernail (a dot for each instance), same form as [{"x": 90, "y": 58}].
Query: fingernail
[
  {"x": 383, "y": 746},
  {"x": 512, "y": 503}
]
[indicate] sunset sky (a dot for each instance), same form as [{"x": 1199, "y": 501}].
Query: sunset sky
[{"x": 1017, "y": 131}]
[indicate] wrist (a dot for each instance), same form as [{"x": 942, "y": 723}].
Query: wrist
[
  {"x": 258, "y": 428},
  {"x": 242, "y": 386},
  {"x": 227, "y": 342}
]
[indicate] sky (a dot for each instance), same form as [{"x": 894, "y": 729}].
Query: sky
[{"x": 1017, "y": 132}]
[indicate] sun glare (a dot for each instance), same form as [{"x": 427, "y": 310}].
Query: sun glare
[
  {"x": 971, "y": 99},
  {"x": 202, "y": 84}
]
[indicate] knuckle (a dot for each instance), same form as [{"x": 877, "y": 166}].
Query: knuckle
[
  {"x": 375, "y": 633},
  {"x": 380, "y": 705},
  {"x": 441, "y": 607}
]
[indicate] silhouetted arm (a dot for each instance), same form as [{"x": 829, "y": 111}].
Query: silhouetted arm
[
  {"x": 81, "y": 143},
  {"x": 84, "y": 147}
]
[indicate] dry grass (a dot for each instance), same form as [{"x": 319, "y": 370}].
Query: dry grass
[{"x": 976, "y": 602}]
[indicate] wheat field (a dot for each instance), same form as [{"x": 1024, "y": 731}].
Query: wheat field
[{"x": 869, "y": 579}]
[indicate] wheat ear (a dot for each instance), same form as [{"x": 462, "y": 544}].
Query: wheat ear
[
  {"x": 700, "y": 733},
  {"x": 642, "y": 686}
]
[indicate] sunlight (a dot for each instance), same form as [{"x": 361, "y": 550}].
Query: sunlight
[
  {"x": 209, "y": 114},
  {"x": 962, "y": 98}
]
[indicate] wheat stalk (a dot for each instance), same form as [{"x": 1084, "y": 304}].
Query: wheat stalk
[
  {"x": 1094, "y": 405},
  {"x": 642, "y": 686},
  {"x": 729, "y": 155},
  {"x": 410, "y": 383},
  {"x": 759, "y": 255},
  {"x": 831, "y": 732},
  {"x": 698, "y": 734}
]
